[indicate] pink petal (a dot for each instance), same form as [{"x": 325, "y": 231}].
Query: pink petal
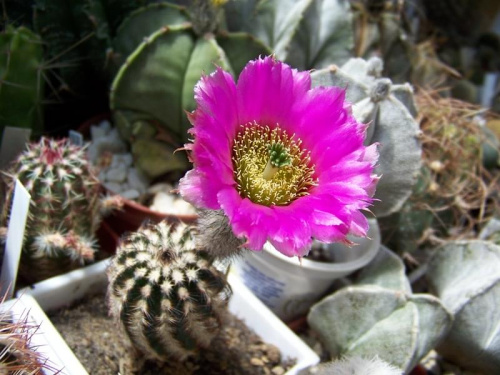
[{"x": 267, "y": 89}]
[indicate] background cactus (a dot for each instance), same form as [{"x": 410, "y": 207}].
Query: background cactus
[
  {"x": 168, "y": 296},
  {"x": 21, "y": 82},
  {"x": 465, "y": 275},
  {"x": 65, "y": 209},
  {"x": 154, "y": 86},
  {"x": 306, "y": 34},
  {"x": 355, "y": 366},
  {"x": 381, "y": 318},
  {"x": 389, "y": 109}
]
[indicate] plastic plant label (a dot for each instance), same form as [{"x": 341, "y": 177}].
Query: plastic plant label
[
  {"x": 13, "y": 142},
  {"x": 15, "y": 236},
  {"x": 76, "y": 138}
]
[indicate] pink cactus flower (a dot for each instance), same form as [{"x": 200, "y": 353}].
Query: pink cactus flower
[{"x": 284, "y": 161}]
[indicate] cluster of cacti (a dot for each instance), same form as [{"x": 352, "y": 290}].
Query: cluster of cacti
[
  {"x": 65, "y": 210},
  {"x": 167, "y": 294},
  {"x": 164, "y": 58},
  {"x": 379, "y": 316},
  {"x": 465, "y": 275},
  {"x": 306, "y": 33},
  {"x": 389, "y": 111},
  {"x": 21, "y": 81}
]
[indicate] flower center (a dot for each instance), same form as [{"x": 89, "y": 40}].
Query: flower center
[{"x": 270, "y": 166}]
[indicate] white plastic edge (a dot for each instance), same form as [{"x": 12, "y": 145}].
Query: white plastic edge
[
  {"x": 61, "y": 290},
  {"x": 47, "y": 340},
  {"x": 245, "y": 305}
]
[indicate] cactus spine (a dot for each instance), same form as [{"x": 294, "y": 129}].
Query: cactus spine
[
  {"x": 65, "y": 209},
  {"x": 168, "y": 296}
]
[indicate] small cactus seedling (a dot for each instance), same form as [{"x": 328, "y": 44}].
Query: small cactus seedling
[
  {"x": 168, "y": 296},
  {"x": 65, "y": 209}
]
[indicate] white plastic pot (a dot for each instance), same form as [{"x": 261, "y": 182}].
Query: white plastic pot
[
  {"x": 289, "y": 287},
  {"x": 61, "y": 290},
  {"x": 47, "y": 341}
]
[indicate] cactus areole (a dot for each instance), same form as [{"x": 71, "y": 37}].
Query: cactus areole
[{"x": 286, "y": 163}]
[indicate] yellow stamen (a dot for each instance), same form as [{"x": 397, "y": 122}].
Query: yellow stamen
[{"x": 271, "y": 180}]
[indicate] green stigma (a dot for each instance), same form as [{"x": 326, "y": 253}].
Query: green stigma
[{"x": 278, "y": 158}]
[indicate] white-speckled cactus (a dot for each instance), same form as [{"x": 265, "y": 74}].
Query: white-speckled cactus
[
  {"x": 389, "y": 109},
  {"x": 168, "y": 296},
  {"x": 65, "y": 212},
  {"x": 465, "y": 275},
  {"x": 380, "y": 318}
]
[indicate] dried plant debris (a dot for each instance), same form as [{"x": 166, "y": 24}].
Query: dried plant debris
[{"x": 455, "y": 194}]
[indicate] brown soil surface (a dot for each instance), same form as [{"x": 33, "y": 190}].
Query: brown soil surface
[{"x": 104, "y": 349}]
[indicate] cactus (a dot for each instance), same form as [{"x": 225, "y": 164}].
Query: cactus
[
  {"x": 389, "y": 109},
  {"x": 167, "y": 295},
  {"x": 154, "y": 86},
  {"x": 306, "y": 34},
  {"x": 18, "y": 355},
  {"x": 356, "y": 366},
  {"x": 21, "y": 86},
  {"x": 465, "y": 275},
  {"x": 381, "y": 318},
  {"x": 65, "y": 209}
]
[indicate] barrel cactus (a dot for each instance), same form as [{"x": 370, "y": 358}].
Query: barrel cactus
[
  {"x": 465, "y": 275},
  {"x": 166, "y": 294},
  {"x": 21, "y": 85},
  {"x": 381, "y": 317},
  {"x": 65, "y": 209},
  {"x": 164, "y": 58},
  {"x": 389, "y": 109}
]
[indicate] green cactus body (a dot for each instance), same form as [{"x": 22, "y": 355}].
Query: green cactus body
[
  {"x": 304, "y": 33},
  {"x": 21, "y": 86},
  {"x": 165, "y": 58},
  {"x": 65, "y": 209},
  {"x": 465, "y": 275},
  {"x": 381, "y": 317},
  {"x": 167, "y": 295}
]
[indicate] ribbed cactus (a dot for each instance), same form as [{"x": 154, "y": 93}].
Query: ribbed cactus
[
  {"x": 164, "y": 59},
  {"x": 65, "y": 209},
  {"x": 21, "y": 82},
  {"x": 168, "y": 296},
  {"x": 465, "y": 275},
  {"x": 304, "y": 33},
  {"x": 389, "y": 109},
  {"x": 381, "y": 317}
]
